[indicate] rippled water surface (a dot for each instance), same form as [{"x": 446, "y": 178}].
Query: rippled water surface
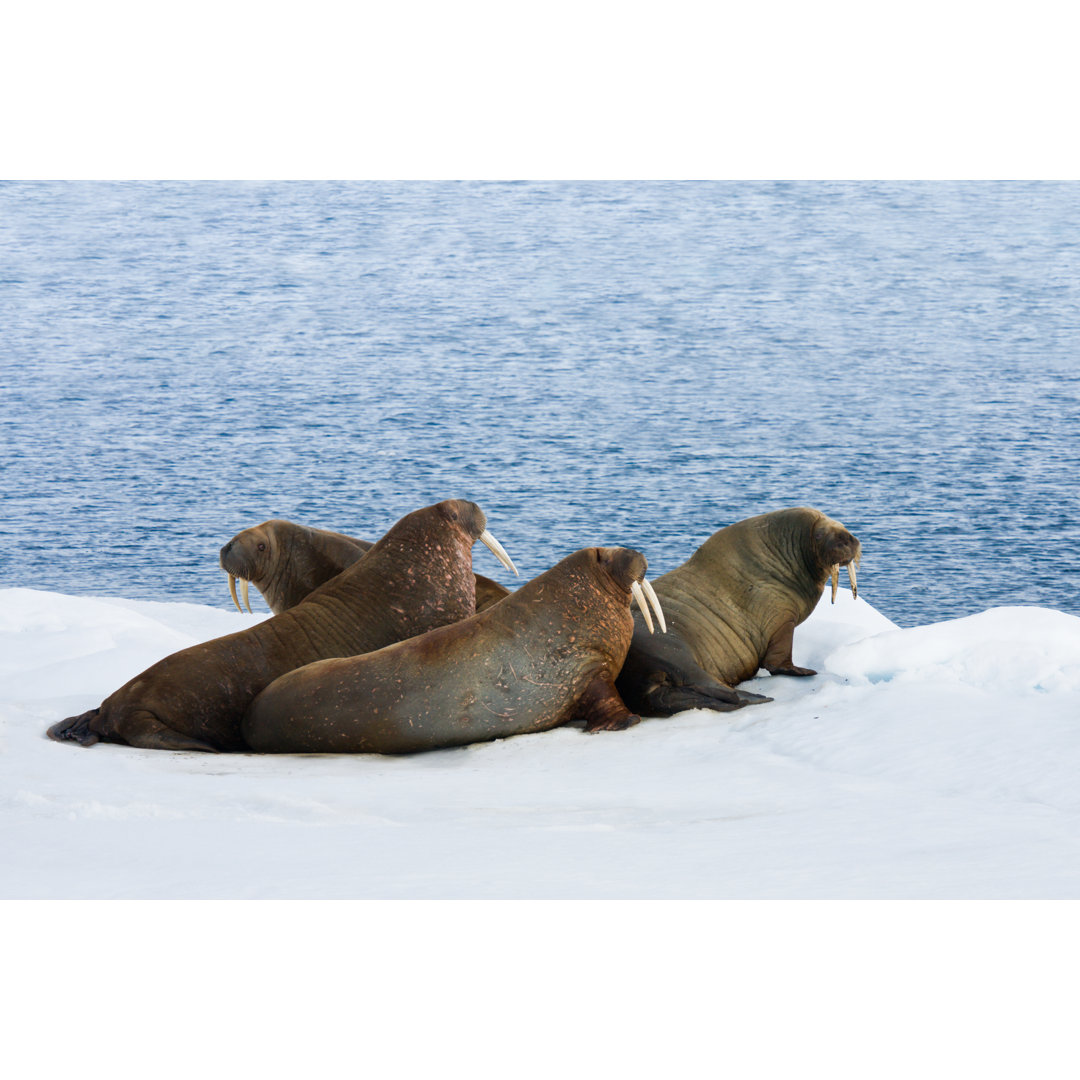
[{"x": 632, "y": 364}]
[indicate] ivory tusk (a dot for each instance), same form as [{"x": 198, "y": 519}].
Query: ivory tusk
[
  {"x": 498, "y": 551},
  {"x": 835, "y": 580},
  {"x": 650, "y": 592},
  {"x": 244, "y": 594},
  {"x": 639, "y": 596},
  {"x": 232, "y": 589},
  {"x": 852, "y": 580}
]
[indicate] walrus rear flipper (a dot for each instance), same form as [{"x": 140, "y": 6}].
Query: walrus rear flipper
[
  {"x": 660, "y": 678},
  {"x": 75, "y": 729},
  {"x": 665, "y": 699},
  {"x": 143, "y": 730}
]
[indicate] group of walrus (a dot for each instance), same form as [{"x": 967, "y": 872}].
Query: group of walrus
[{"x": 397, "y": 646}]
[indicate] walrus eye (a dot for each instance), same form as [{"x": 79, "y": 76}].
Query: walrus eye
[{"x": 262, "y": 547}]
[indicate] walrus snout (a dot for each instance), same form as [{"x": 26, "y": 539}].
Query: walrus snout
[
  {"x": 236, "y": 560},
  {"x": 840, "y": 548},
  {"x": 833, "y": 543},
  {"x": 628, "y": 568},
  {"x": 836, "y": 547},
  {"x": 241, "y": 555},
  {"x": 624, "y": 564},
  {"x": 473, "y": 520}
]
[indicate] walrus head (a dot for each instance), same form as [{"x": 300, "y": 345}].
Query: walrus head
[
  {"x": 249, "y": 556},
  {"x": 470, "y": 519},
  {"x": 626, "y": 568},
  {"x": 834, "y": 547}
]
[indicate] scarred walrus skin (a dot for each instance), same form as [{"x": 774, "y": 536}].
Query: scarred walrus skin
[
  {"x": 732, "y": 608},
  {"x": 545, "y": 655},
  {"x": 286, "y": 561},
  {"x": 417, "y": 577}
]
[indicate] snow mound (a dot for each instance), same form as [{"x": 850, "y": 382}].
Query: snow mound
[{"x": 1004, "y": 651}]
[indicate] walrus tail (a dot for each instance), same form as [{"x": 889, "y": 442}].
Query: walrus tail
[{"x": 76, "y": 729}]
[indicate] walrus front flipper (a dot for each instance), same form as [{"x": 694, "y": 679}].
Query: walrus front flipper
[
  {"x": 75, "y": 729},
  {"x": 777, "y": 660},
  {"x": 603, "y": 710}
]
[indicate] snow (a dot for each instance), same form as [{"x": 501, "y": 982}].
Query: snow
[{"x": 934, "y": 762}]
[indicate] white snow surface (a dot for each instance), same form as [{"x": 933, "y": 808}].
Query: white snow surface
[{"x": 935, "y": 762}]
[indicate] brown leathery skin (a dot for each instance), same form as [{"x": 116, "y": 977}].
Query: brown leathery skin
[
  {"x": 416, "y": 578},
  {"x": 545, "y": 655},
  {"x": 285, "y": 561},
  {"x": 733, "y": 607}
]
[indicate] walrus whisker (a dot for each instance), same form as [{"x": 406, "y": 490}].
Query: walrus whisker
[
  {"x": 498, "y": 551},
  {"x": 650, "y": 592},
  {"x": 232, "y": 589},
  {"x": 639, "y": 596},
  {"x": 244, "y": 594},
  {"x": 835, "y": 580},
  {"x": 852, "y": 580}
]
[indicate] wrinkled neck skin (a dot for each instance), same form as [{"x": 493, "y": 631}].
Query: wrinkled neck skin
[
  {"x": 311, "y": 559},
  {"x": 734, "y": 593}
]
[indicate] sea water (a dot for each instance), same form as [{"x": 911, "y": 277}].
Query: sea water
[{"x": 594, "y": 363}]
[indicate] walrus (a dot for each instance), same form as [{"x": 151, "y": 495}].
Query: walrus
[
  {"x": 545, "y": 655},
  {"x": 286, "y": 561},
  {"x": 733, "y": 607},
  {"x": 416, "y": 578}
]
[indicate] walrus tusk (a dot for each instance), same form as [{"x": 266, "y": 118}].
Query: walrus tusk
[
  {"x": 851, "y": 579},
  {"x": 498, "y": 551},
  {"x": 639, "y": 596},
  {"x": 835, "y": 580},
  {"x": 650, "y": 592},
  {"x": 244, "y": 594},
  {"x": 232, "y": 589}
]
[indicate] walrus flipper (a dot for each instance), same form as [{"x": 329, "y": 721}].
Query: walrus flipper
[
  {"x": 777, "y": 659},
  {"x": 661, "y": 677},
  {"x": 664, "y": 698},
  {"x": 75, "y": 729},
  {"x": 145, "y": 731},
  {"x": 603, "y": 710},
  {"x": 171, "y": 740}
]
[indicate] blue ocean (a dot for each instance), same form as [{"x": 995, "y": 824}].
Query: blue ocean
[{"x": 594, "y": 363}]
